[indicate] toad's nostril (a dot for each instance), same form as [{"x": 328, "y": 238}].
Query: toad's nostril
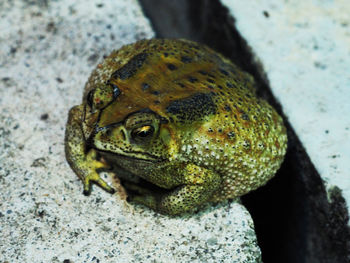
[
  {"x": 122, "y": 134},
  {"x": 109, "y": 132}
]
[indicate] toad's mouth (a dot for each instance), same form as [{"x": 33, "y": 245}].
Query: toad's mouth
[
  {"x": 131, "y": 156},
  {"x": 132, "y": 172}
]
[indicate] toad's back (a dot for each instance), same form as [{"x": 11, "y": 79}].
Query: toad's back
[{"x": 217, "y": 122}]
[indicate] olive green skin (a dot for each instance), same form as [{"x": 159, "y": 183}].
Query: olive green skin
[{"x": 181, "y": 117}]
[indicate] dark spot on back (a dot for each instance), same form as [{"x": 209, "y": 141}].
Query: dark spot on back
[
  {"x": 231, "y": 135},
  {"x": 171, "y": 66},
  {"x": 181, "y": 85},
  {"x": 246, "y": 144},
  {"x": 130, "y": 68},
  {"x": 202, "y": 72},
  {"x": 224, "y": 72},
  {"x": 227, "y": 107},
  {"x": 145, "y": 86},
  {"x": 192, "y": 108},
  {"x": 229, "y": 85},
  {"x": 156, "y": 92},
  {"x": 210, "y": 80},
  {"x": 192, "y": 79},
  {"x": 245, "y": 117},
  {"x": 186, "y": 59}
]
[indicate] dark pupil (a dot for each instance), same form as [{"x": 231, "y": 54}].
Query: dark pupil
[{"x": 144, "y": 133}]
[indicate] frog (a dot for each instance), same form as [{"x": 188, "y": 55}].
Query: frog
[{"x": 178, "y": 122}]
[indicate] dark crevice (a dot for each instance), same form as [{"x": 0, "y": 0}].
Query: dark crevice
[{"x": 294, "y": 220}]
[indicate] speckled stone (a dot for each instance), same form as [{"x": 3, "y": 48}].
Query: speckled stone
[{"x": 48, "y": 49}]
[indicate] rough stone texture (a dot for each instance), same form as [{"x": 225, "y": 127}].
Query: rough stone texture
[
  {"x": 304, "y": 48},
  {"x": 47, "y": 51}
]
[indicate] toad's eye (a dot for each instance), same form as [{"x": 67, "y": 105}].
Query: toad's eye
[{"x": 142, "y": 132}]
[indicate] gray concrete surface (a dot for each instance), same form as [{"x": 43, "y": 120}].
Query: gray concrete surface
[
  {"x": 47, "y": 51},
  {"x": 304, "y": 49}
]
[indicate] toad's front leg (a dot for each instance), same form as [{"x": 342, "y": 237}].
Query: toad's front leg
[
  {"x": 83, "y": 162},
  {"x": 198, "y": 187}
]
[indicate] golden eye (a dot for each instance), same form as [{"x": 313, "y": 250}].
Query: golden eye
[{"x": 142, "y": 132}]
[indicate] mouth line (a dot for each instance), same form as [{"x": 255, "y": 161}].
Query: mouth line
[{"x": 153, "y": 159}]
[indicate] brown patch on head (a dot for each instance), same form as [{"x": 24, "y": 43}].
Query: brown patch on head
[{"x": 157, "y": 73}]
